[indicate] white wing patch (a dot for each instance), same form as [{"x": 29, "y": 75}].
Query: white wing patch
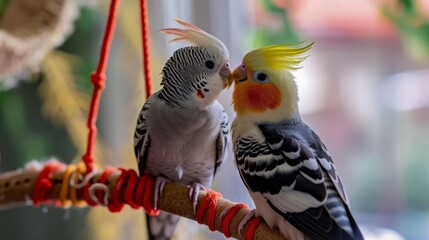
[
  {"x": 311, "y": 163},
  {"x": 293, "y": 201},
  {"x": 325, "y": 163}
]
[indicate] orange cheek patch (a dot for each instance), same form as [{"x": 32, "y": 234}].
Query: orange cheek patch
[
  {"x": 256, "y": 97},
  {"x": 200, "y": 94},
  {"x": 264, "y": 97}
]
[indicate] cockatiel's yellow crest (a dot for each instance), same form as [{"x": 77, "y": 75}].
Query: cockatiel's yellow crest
[
  {"x": 277, "y": 57},
  {"x": 264, "y": 84}
]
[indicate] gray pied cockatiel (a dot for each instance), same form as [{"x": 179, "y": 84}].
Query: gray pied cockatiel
[
  {"x": 285, "y": 166},
  {"x": 182, "y": 132}
]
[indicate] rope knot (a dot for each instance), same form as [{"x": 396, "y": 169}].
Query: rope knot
[
  {"x": 89, "y": 161},
  {"x": 98, "y": 80}
]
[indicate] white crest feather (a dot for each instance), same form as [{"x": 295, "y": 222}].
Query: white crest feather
[{"x": 194, "y": 35}]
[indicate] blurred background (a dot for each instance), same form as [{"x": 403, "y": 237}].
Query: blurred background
[{"x": 363, "y": 89}]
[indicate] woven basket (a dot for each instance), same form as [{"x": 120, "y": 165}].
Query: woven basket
[{"x": 29, "y": 29}]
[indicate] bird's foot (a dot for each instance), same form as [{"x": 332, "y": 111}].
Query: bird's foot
[
  {"x": 194, "y": 190},
  {"x": 245, "y": 220},
  {"x": 159, "y": 186}
]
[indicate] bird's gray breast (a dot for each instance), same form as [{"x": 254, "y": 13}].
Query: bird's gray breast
[{"x": 182, "y": 144}]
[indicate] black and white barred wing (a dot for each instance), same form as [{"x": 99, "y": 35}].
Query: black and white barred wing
[
  {"x": 283, "y": 171},
  {"x": 325, "y": 160},
  {"x": 337, "y": 203},
  {"x": 286, "y": 172},
  {"x": 223, "y": 141},
  {"x": 141, "y": 135}
]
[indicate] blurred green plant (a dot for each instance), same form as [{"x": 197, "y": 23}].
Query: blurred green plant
[
  {"x": 262, "y": 36},
  {"x": 413, "y": 26},
  {"x": 3, "y": 6}
]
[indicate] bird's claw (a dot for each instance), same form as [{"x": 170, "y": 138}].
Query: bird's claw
[
  {"x": 194, "y": 190},
  {"x": 159, "y": 186},
  {"x": 245, "y": 220}
]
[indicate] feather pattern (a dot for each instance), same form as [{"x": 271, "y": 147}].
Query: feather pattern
[
  {"x": 289, "y": 167},
  {"x": 178, "y": 85},
  {"x": 141, "y": 138}
]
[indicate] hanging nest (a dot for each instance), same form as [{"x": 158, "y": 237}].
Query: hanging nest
[{"x": 29, "y": 29}]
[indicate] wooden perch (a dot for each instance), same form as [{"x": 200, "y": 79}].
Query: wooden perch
[{"x": 16, "y": 188}]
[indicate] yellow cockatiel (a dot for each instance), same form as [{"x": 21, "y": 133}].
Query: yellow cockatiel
[{"x": 285, "y": 166}]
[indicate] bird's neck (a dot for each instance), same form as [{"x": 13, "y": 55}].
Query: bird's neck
[
  {"x": 185, "y": 110},
  {"x": 286, "y": 111},
  {"x": 247, "y": 123}
]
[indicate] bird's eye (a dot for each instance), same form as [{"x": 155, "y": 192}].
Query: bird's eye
[
  {"x": 209, "y": 64},
  {"x": 243, "y": 66},
  {"x": 260, "y": 77}
]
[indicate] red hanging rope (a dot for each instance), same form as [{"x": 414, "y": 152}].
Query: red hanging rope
[
  {"x": 145, "y": 45},
  {"x": 98, "y": 78}
]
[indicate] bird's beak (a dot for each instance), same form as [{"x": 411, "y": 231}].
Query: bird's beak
[
  {"x": 225, "y": 74},
  {"x": 238, "y": 75}
]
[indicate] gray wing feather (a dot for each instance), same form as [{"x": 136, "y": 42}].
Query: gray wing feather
[
  {"x": 141, "y": 135},
  {"x": 162, "y": 226},
  {"x": 223, "y": 141}
]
